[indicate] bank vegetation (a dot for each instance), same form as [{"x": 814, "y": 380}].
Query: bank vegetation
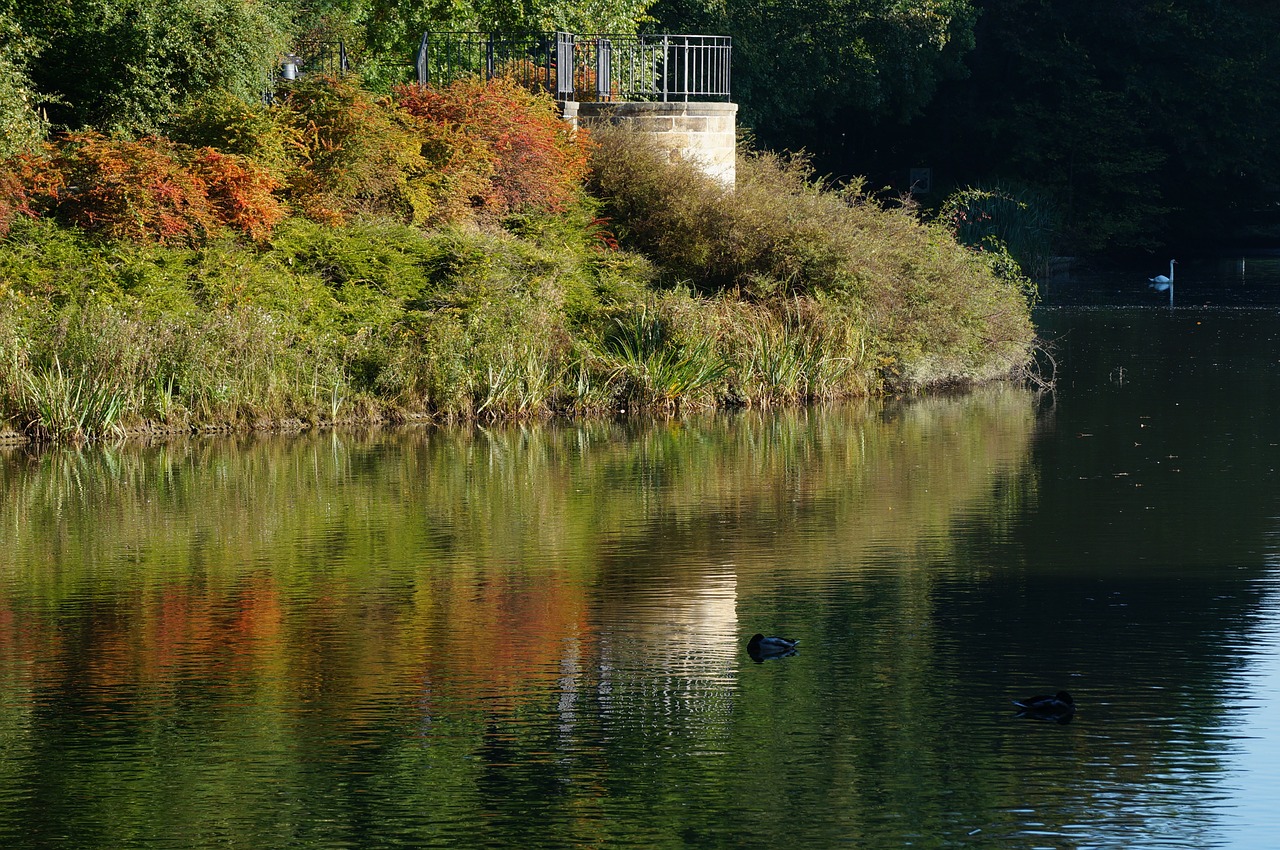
[{"x": 458, "y": 253}]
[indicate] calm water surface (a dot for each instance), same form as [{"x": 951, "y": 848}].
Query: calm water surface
[{"x": 535, "y": 637}]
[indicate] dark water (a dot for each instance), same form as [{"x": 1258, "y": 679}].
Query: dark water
[{"x": 535, "y": 637}]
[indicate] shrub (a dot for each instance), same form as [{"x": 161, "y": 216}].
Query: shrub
[
  {"x": 926, "y": 307},
  {"x": 136, "y": 190},
  {"x": 240, "y": 192},
  {"x": 361, "y": 155},
  {"x": 145, "y": 190},
  {"x": 538, "y": 163},
  {"x": 27, "y": 186},
  {"x": 224, "y": 122}
]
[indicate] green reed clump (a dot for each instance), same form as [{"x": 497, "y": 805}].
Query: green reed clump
[
  {"x": 656, "y": 368},
  {"x": 70, "y": 407}
]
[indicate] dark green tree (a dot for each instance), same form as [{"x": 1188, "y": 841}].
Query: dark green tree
[
  {"x": 1147, "y": 121},
  {"x": 388, "y": 31},
  {"x": 804, "y": 72},
  {"x": 128, "y": 64}
]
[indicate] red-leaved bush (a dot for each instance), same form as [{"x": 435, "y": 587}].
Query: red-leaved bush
[
  {"x": 240, "y": 192},
  {"x": 26, "y": 184},
  {"x": 536, "y": 161},
  {"x": 148, "y": 190},
  {"x": 361, "y": 156},
  {"x": 135, "y": 190}
]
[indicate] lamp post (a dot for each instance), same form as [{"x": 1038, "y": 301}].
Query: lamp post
[{"x": 290, "y": 67}]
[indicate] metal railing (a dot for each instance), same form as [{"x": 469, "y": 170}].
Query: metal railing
[
  {"x": 307, "y": 57},
  {"x": 539, "y": 61},
  {"x": 595, "y": 67},
  {"x": 319, "y": 57}
]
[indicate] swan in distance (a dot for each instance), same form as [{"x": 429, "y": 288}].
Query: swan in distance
[{"x": 1162, "y": 283}]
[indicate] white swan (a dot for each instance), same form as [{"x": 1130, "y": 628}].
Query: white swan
[{"x": 1160, "y": 283}]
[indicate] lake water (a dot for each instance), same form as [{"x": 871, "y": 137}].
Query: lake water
[{"x": 535, "y": 636}]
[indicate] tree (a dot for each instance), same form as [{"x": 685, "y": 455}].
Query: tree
[
  {"x": 390, "y": 30},
  {"x": 804, "y": 71},
  {"x": 1148, "y": 121},
  {"x": 128, "y": 64},
  {"x": 21, "y": 126}
]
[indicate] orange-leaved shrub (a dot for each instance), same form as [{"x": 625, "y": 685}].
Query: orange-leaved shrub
[
  {"x": 240, "y": 192},
  {"x": 26, "y": 185},
  {"x": 536, "y": 162},
  {"x": 136, "y": 190},
  {"x": 144, "y": 190}
]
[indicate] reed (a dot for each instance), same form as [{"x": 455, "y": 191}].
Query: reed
[
  {"x": 657, "y": 369},
  {"x": 70, "y": 407}
]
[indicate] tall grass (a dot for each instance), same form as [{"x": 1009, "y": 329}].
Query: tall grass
[
  {"x": 69, "y": 407},
  {"x": 657, "y": 369}
]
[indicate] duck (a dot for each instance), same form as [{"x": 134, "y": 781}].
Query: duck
[
  {"x": 1060, "y": 707},
  {"x": 761, "y": 647}
]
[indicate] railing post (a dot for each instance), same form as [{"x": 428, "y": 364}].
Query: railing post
[
  {"x": 665, "y": 53},
  {"x": 564, "y": 65},
  {"x": 423, "y": 70},
  {"x": 684, "y": 62},
  {"x": 489, "y": 65},
  {"x": 604, "y": 69}
]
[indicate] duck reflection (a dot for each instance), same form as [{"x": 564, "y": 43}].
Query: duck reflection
[{"x": 1059, "y": 708}]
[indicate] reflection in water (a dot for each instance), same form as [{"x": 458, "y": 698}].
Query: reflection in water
[{"x": 535, "y": 636}]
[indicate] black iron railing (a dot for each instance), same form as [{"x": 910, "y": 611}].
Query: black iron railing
[
  {"x": 308, "y": 57},
  {"x": 594, "y": 67},
  {"x": 314, "y": 57},
  {"x": 540, "y": 61}
]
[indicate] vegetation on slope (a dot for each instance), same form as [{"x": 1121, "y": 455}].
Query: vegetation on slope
[{"x": 342, "y": 256}]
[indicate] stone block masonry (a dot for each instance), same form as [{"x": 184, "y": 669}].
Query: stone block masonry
[{"x": 705, "y": 133}]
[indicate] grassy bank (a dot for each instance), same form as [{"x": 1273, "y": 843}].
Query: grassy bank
[{"x": 658, "y": 290}]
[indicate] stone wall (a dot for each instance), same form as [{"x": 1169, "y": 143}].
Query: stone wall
[{"x": 705, "y": 133}]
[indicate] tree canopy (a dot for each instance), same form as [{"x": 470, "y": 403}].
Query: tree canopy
[
  {"x": 1147, "y": 121},
  {"x": 1143, "y": 122},
  {"x": 804, "y": 70},
  {"x": 128, "y": 64}
]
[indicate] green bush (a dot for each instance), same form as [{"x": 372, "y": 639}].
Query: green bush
[
  {"x": 220, "y": 120},
  {"x": 361, "y": 156},
  {"x": 924, "y": 307},
  {"x": 1001, "y": 218},
  {"x": 21, "y": 126}
]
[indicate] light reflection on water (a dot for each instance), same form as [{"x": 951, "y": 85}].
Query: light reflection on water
[{"x": 534, "y": 636}]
